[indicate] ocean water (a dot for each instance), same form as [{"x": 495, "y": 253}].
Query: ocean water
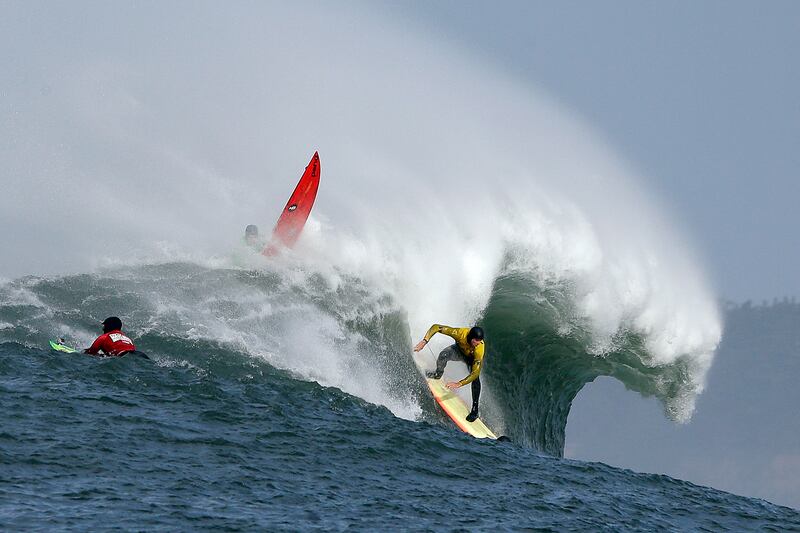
[
  {"x": 284, "y": 402},
  {"x": 282, "y": 394}
]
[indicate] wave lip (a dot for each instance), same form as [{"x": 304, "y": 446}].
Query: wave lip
[{"x": 543, "y": 350}]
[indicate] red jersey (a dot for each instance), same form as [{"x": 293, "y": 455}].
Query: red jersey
[{"x": 113, "y": 343}]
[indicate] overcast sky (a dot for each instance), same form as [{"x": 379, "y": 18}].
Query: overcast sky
[{"x": 701, "y": 97}]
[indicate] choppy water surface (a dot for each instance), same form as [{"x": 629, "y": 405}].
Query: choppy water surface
[{"x": 221, "y": 430}]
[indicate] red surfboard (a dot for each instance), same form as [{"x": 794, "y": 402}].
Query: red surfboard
[{"x": 293, "y": 218}]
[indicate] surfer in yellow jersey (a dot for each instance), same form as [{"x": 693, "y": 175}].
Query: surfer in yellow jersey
[{"x": 469, "y": 348}]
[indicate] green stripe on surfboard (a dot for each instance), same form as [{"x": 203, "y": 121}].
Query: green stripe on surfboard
[{"x": 62, "y": 348}]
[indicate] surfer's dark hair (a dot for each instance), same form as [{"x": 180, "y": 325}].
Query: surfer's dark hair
[
  {"x": 111, "y": 323},
  {"x": 475, "y": 333}
]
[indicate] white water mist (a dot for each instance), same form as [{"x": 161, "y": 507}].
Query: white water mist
[{"x": 434, "y": 166}]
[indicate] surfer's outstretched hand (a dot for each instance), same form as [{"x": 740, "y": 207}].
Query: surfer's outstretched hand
[
  {"x": 420, "y": 345},
  {"x": 453, "y": 385}
]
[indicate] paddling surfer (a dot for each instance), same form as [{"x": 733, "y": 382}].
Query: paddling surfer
[
  {"x": 113, "y": 343},
  {"x": 468, "y": 348}
]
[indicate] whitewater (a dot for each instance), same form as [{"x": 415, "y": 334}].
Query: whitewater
[{"x": 282, "y": 392}]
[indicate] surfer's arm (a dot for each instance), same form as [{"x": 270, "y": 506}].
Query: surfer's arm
[
  {"x": 96, "y": 346},
  {"x": 434, "y": 329},
  {"x": 94, "y": 349},
  {"x": 475, "y": 371},
  {"x": 444, "y": 330},
  {"x": 473, "y": 375}
]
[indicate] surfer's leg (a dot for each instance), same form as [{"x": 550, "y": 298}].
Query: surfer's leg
[
  {"x": 476, "y": 393},
  {"x": 451, "y": 353},
  {"x": 476, "y": 396}
]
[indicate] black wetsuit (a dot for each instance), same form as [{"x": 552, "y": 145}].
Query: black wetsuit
[{"x": 454, "y": 353}]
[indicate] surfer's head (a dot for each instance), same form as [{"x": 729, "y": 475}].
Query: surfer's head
[
  {"x": 111, "y": 323},
  {"x": 251, "y": 233},
  {"x": 475, "y": 336}
]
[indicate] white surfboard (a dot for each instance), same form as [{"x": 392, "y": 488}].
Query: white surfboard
[{"x": 455, "y": 408}]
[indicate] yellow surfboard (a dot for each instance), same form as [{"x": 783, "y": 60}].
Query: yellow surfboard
[{"x": 456, "y": 409}]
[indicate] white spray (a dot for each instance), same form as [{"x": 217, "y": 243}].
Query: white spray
[{"x": 434, "y": 167}]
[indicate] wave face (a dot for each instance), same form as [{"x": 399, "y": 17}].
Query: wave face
[
  {"x": 542, "y": 354},
  {"x": 293, "y": 321},
  {"x": 339, "y": 331}
]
